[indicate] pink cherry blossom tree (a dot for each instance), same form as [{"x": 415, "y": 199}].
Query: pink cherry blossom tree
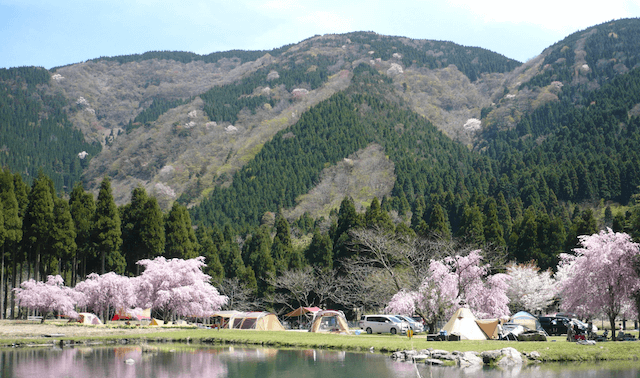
[
  {"x": 600, "y": 277},
  {"x": 46, "y": 297},
  {"x": 106, "y": 292},
  {"x": 453, "y": 282},
  {"x": 529, "y": 289},
  {"x": 179, "y": 287}
]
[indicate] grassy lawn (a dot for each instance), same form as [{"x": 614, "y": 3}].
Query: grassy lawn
[{"x": 555, "y": 349}]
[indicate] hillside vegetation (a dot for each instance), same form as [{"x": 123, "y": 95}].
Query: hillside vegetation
[{"x": 293, "y": 163}]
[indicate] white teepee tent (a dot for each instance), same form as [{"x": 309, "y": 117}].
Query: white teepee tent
[{"x": 463, "y": 323}]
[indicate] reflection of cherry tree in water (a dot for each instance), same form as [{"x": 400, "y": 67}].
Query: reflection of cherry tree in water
[{"x": 110, "y": 362}]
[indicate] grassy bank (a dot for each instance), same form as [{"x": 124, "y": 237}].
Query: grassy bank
[{"x": 556, "y": 349}]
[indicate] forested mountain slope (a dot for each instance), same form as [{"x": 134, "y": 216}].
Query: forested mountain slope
[
  {"x": 181, "y": 124},
  {"x": 35, "y": 132},
  {"x": 177, "y": 153}
]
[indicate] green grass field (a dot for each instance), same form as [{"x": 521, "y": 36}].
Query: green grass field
[{"x": 555, "y": 349}]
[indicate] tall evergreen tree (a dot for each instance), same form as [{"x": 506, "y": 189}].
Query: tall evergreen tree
[
  {"x": 348, "y": 218},
  {"x": 257, "y": 254},
  {"x": 493, "y": 232},
  {"x": 12, "y": 225},
  {"x": 526, "y": 249},
  {"x": 143, "y": 232},
  {"x": 472, "y": 226},
  {"x": 281, "y": 248},
  {"x": 374, "y": 216},
  {"x": 320, "y": 251},
  {"x": 504, "y": 216},
  {"x": 63, "y": 239},
  {"x": 132, "y": 217},
  {"x": 180, "y": 237},
  {"x": 152, "y": 230},
  {"x": 584, "y": 223},
  {"x": 106, "y": 234},
  {"x": 38, "y": 221},
  {"x": 82, "y": 207},
  {"x": 438, "y": 223},
  {"x": 3, "y": 238},
  {"x": 209, "y": 250}
]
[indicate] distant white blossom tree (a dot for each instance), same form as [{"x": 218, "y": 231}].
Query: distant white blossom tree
[{"x": 529, "y": 289}]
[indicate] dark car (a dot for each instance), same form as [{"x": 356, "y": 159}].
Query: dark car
[{"x": 554, "y": 325}]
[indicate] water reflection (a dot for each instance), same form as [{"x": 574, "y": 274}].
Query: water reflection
[{"x": 178, "y": 361}]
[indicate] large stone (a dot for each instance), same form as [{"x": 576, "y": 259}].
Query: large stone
[
  {"x": 468, "y": 359},
  {"x": 510, "y": 357},
  {"x": 490, "y": 356},
  {"x": 442, "y": 355}
]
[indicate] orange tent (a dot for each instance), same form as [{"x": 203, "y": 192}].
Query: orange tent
[{"x": 302, "y": 311}]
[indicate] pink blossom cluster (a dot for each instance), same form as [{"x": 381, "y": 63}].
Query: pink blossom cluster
[
  {"x": 600, "y": 277},
  {"x": 178, "y": 286},
  {"x": 46, "y": 297},
  {"x": 452, "y": 283},
  {"x": 173, "y": 286}
]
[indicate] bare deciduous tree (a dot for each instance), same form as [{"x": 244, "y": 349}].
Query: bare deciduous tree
[
  {"x": 385, "y": 264},
  {"x": 305, "y": 287},
  {"x": 241, "y": 297}
]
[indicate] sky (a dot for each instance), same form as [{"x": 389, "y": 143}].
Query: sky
[{"x": 51, "y": 33}]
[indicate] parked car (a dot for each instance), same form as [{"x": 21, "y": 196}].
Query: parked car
[
  {"x": 415, "y": 326},
  {"x": 557, "y": 325},
  {"x": 554, "y": 325},
  {"x": 383, "y": 324}
]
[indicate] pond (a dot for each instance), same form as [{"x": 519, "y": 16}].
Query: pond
[{"x": 177, "y": 361}]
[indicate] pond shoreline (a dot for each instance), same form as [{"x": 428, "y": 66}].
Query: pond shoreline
[{"x": 18, "y": 334}]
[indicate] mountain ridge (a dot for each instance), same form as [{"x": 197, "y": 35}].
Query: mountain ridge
[{"x": 469, "y": 93}]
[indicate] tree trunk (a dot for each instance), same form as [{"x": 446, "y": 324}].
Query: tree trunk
[
  {"x": 2, "y": 286},
  {"x": 36, "y": 270},
  {"x": 74, "y": 269},
  {"x": 13, "y": 282},
  {"x": 5, "y": 300},
  {"x": 612, "y": 322}
]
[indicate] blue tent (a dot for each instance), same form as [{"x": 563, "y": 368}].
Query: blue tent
[{"x": 527, "y": 320}]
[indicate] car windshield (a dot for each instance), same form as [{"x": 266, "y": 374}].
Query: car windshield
[
  {"x": 395, "y": 320},
  {"x": 406, "y": 318}
]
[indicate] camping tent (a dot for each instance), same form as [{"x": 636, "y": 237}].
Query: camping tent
[
  {"x": 132, "y": 314},
  {"x": 329, "y": 321},
  {"x": 223, "y": 318},
  {"x": 489, "y": 327},
  {"x": 261, "y": 321},
  {"x": 87, "y": 318},
  {"x": 527, "y": 320},
  {"x": 463, "y": 323},
  {"x": 303, "y": 311}
]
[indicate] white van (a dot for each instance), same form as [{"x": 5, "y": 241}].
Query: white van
[{"x": 383, "y": 324}]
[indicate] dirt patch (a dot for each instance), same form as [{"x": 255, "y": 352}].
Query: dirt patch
[{"x": 22, "y": 329}]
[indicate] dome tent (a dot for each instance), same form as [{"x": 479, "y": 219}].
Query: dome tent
[
  {"x": 526, "y": 320},
  {"x": 261, "y": 321},
  {"x": 329, "y": 321}
]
